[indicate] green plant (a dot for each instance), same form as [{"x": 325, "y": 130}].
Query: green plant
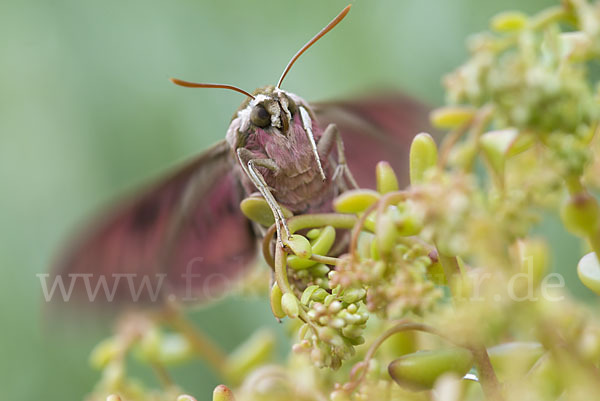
[{"x": 444, "y": 277}]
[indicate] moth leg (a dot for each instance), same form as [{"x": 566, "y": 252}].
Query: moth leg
[
  {"x": 249, "y": 164},
  {"x": 332, "y": 136}
]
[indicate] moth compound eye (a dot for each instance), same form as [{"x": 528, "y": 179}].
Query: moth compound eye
[{"x": 260, "y": 116}]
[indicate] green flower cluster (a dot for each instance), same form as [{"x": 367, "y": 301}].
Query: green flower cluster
[{"x": 335, "y": 324}]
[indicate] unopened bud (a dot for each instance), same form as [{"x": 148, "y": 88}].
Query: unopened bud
[
  {"x": 355, "y": 201},
  {"x": 299, "y": 245},
  {"x": 423, "y": 156},
  {"x": 289, "y": 304},
  {"x": 386, "y": 233},
  {"x": 386, "y": 178},
  {"x": 450, "y": 117},
  {"x": 509, "y": 21},
  {"x": 222, "y": 393},
  {"x": 496, "y": 145},
  {"x": 320, "y": 246}
]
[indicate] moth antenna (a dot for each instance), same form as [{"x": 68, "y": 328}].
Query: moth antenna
[
  {"x": 311, "y": 42},
  {"x": 220, "y": 86}
]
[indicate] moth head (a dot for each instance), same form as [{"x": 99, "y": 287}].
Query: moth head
[{"x": 270, "y": 110}]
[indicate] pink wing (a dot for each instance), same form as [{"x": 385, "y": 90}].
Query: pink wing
[
  {"x": 197, "y": 251},
  {"x": 375, "y": 128}
]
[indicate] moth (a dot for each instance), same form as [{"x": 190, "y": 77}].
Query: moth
[{"x": 185, "y": 236}]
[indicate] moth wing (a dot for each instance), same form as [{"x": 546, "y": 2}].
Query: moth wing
[
  {"x": 143, "y": 256},
  {"x": 374, "y": 128}
]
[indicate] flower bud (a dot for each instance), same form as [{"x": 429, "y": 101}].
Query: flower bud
[
  {"x": 319, "y": 295},
  {"x": 299, "y": 245},
  {"x": 307, "y": 294},
  {"x": 496, "y": 145},
  {"x": 509, "y": 21},
  {"x": 320, "y": 246},
  {"x": 423, "y": 156},
  {"x": 289, "y": 304},
  {"x": 313, "y": 233},
  {"x": 222, "y": 393},
  {"x": 420, "y": 370},
  {"x": 450, "y": 117},
  {"x": 319, "y": 270},
  {"x": 355, "y": 201},
  {"x": 354, "y": 295},
  {"x": 386, "y": 178},
  {"x": 386, "y": 233}
]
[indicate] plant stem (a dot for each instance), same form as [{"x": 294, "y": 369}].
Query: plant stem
[
  {"x": 487, "y": 377},
  {"x": 201, "y": 344},
  {"x": 282, "y": 281},
  {"x": 326, "y": 260},
  {"x": 163, "y": 375}
]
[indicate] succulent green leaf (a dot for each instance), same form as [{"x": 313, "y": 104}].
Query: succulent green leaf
[
  {"x": 299, "y": 245},
  {"x": 420, "y": 370},
  {"x": 355, "y": 201},
  {"x": 423, "y": 156},
  {"x": 320, "y": 246},
  {"x": 257, "y": 209},
  {"x": 386, "y": 178},
  {"x": 450, "y": 117},
  {"x": 275, "y": 298}
]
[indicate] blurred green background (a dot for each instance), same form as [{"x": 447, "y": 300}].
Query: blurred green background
[{"x": 87, "y": 112}]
